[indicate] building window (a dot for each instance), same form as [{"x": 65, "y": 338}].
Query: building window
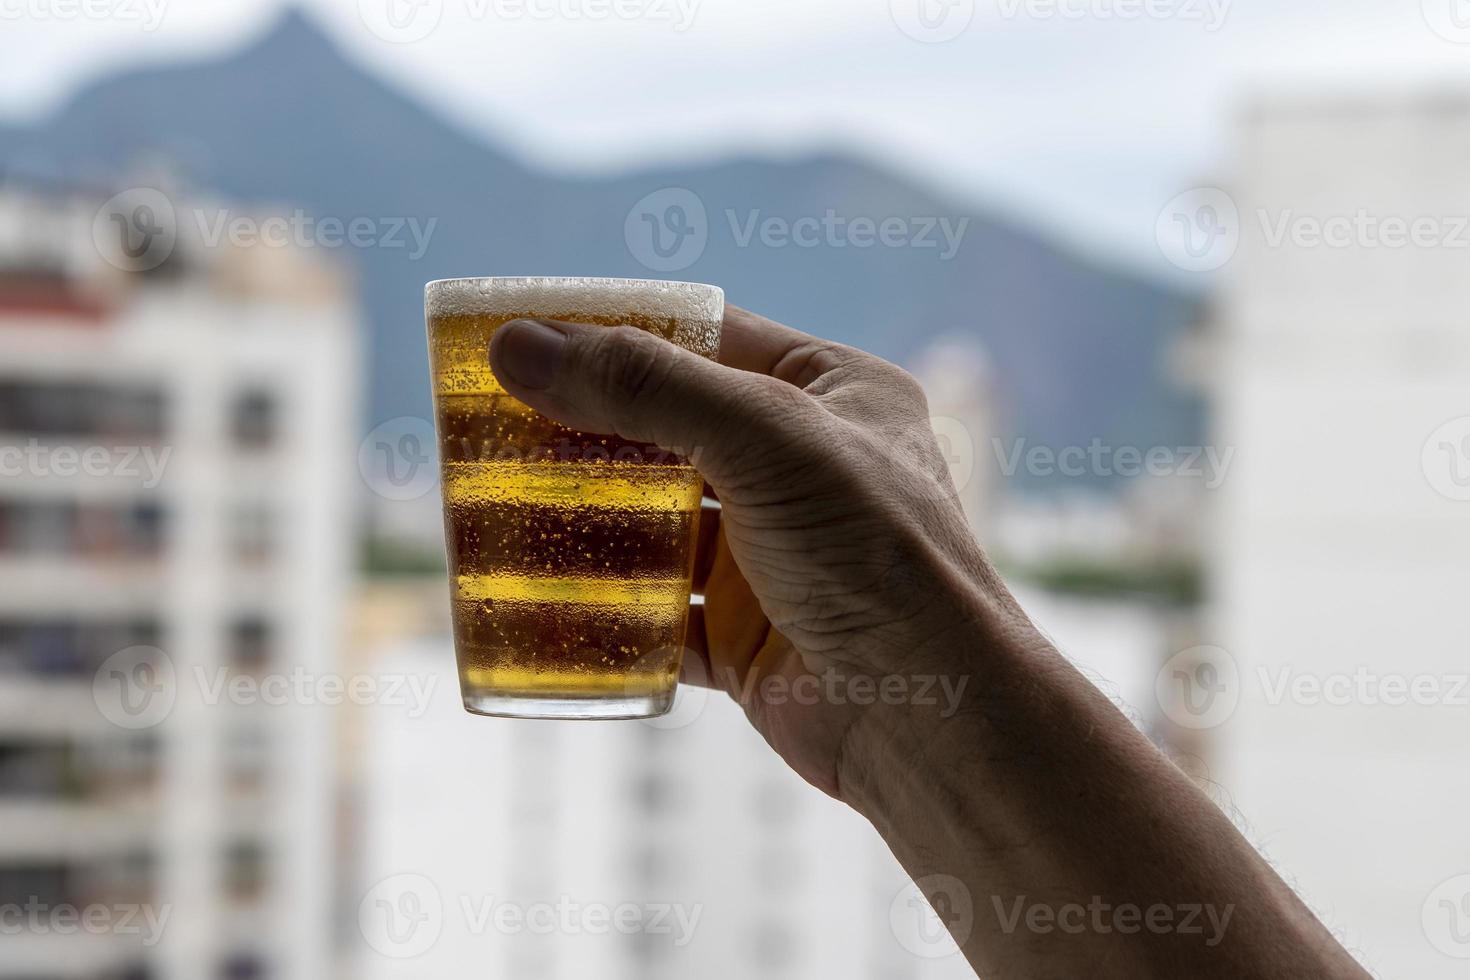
[
  {"x": 64, "y": 527},
  {"x": 37, "y": 770},
  {"x": 245, "y": 871},
  {"x": 59, "y": 769},
  {"x": 47, "y": 883},
  {"x": 247, "y": 757},
  {"x": 250, "y": 644},
  {"x": 144, "y": 528},
  {"x": 69, "y": 648},
  {"x": 81, "y": 410},
  {"x": 253, "y": 419},
  {"x": 252, "y": 531},
  {"x": 656, "y": 793},
  {"x": 243, "y": 966}
]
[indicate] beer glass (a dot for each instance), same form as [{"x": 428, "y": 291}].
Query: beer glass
[{"x": 570, "y": 554}]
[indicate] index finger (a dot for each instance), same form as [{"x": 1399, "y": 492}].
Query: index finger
[{"x": 750, "y": 342}]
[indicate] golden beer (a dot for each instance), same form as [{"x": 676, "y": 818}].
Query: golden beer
[{"x": 570, "y": 554}]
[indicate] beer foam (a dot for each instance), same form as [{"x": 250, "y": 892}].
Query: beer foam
[{"x": 686, "y": 302}]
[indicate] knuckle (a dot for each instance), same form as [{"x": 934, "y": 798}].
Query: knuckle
[
  {"x": 785, "y": 417},
  {"x": 777, "y": 403},
  {"x": 807, "y": 363},
  {"x": 906, "y": 387}
]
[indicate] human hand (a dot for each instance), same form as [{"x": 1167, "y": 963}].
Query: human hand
[{"x": 840, "y": 560}]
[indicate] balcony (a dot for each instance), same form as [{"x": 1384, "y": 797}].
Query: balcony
[
  {"x": 61, "y": 585},
  {"x": 42, "y": 830}
]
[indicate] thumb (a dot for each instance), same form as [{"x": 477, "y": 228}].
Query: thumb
[{"x": 636, "y": 385}]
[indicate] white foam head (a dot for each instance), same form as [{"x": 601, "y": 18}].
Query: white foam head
[{"x": 695, "y": 307}]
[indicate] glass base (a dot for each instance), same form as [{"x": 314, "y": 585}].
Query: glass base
[{"x": 498, "y": 704}]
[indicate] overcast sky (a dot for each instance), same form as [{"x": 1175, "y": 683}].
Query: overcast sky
[{"x": 1070, "y": 113}]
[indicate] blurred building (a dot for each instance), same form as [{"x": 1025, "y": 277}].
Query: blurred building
[
  {"x": 955, "y": 373},
  {"x": 510, "y": 848},
  {"x": 1106, "y": 571},
  {"x": 1340, "y": 355},
  {"x": 174, "y": 513}
]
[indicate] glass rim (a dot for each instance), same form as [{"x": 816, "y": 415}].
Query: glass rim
[
  {"x": 610, "y": 280},
  {"x": 695, "y": 309}
]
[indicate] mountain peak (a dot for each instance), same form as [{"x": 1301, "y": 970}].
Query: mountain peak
[
  {"x": 295, "y": 34},
  {"x": 295, "y": 119}
]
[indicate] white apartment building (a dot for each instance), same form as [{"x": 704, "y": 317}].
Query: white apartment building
[
  {"x": 175, "y": 509},
  {"x": 1339, "y": 556}
]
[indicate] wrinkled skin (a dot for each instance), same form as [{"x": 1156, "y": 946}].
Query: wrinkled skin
[{"x": 837, "y": 519}]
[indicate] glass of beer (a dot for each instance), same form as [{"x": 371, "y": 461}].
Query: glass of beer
[{"x": 570, "y": 554}]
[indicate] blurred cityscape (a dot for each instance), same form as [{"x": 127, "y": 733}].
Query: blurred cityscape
[{"x": 229, "y": 720}]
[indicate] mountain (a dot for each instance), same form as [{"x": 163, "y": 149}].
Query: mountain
[{"x": 1076, "y": 348}]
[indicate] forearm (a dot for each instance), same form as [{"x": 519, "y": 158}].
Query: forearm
[{"x": 1084, "y": 852}]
